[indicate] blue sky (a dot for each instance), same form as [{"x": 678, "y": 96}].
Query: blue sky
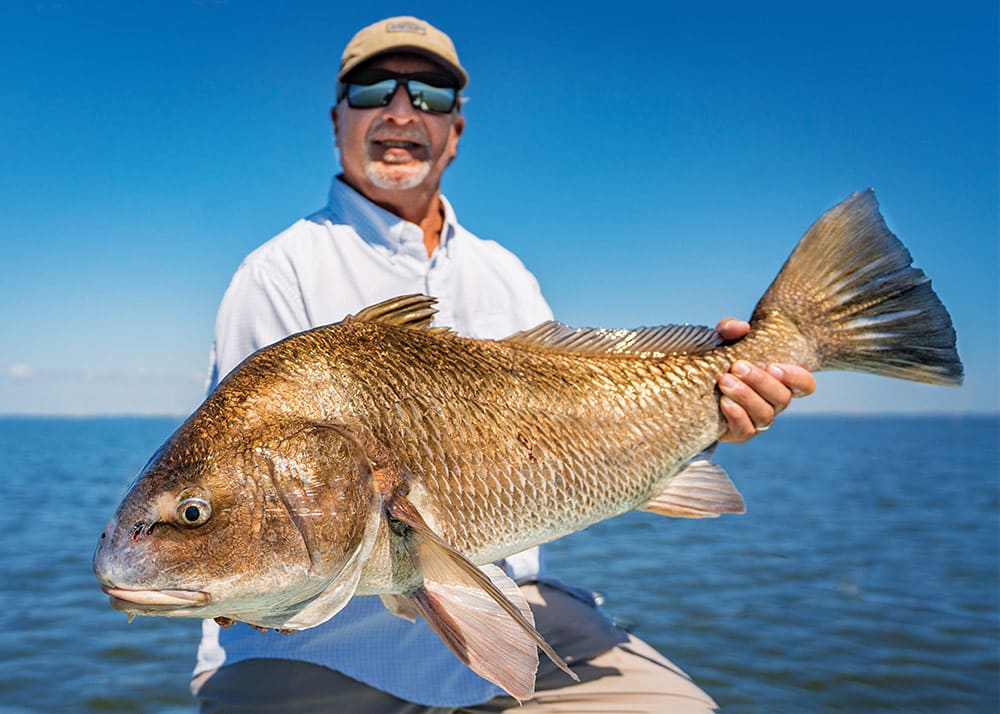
[{"x": 650, "y": 162}]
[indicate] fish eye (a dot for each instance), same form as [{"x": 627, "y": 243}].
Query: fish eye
[{"x": 193, "y": 512}]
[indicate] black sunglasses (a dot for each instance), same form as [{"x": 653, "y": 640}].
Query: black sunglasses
[{"x": 428, "y": 91}]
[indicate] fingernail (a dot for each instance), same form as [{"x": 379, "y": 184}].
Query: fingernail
[
  {"x": 726, "y": 402},
  {"x": 776, "y": 371},
  {"x": 740, "y": 368},
  {"x": 727, "y": 381}
]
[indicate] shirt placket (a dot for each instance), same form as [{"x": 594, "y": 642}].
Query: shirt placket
[{"x": 438, "y": 284}]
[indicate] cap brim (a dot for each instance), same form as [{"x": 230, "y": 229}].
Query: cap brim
[{"x": 454, "y": 70}]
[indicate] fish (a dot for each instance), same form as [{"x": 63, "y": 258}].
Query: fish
[{"x": 383, "y": 455}]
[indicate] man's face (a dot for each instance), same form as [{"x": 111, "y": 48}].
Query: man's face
[{"x": 396, "y": 147}]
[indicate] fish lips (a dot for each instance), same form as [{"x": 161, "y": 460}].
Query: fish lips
[{"x": 155, "y": 602}]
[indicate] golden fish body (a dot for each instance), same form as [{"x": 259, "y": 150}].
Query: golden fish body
[
  {"x": 503, "y": 445},
  {"x": 382, "y": 456}
]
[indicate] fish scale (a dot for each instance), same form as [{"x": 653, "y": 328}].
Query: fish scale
[{"x": 584, "y": 445}]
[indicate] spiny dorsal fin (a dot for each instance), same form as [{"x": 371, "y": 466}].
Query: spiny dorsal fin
[
  {"x": 650, "y": 341},
  {"x": 414, "y": 311}
]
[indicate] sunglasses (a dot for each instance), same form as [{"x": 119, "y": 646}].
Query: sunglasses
[{"x": 428, "y": 91}]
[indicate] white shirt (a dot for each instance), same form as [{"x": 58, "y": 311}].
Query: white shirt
[{"x": 341, "y": 259}]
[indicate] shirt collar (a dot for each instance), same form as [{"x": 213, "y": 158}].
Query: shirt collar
[{"x": 378, "y": 226}]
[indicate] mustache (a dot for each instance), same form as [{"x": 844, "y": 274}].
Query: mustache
[{"x": 382, "y": 131}]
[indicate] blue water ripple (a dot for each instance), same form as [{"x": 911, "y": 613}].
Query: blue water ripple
[{"x": 863, "y": 578}]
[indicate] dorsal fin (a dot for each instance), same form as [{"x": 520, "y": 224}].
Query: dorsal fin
[
  {"x": 414, "y": 311},
  {"x": 650, "y": 341}
]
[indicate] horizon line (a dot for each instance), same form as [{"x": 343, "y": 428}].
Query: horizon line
[{"x": 183, "y": 415}]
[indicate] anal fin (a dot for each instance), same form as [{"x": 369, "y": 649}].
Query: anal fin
[{"x": 701, "y": 489}]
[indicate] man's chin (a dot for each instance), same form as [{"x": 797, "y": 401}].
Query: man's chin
[{"x": 396, "y": 178}]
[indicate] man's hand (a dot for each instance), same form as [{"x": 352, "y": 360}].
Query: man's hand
[{"x": 751, "y": 396}]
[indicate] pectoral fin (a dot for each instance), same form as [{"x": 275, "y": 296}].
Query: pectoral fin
[
  {"x": 479, "y": 613},
  {"x": 701, "y": 490},
  {"x": 480, "y": 633}
]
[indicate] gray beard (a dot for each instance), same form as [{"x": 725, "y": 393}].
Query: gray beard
[{"x": 376, "y": 172}]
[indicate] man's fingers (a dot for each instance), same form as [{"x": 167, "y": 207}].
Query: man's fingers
[
  {"x": 731, "y": 329},
  {"x": 799, "y": 381},
  {"x": 739, "y": 428},
  {"x": 758, "y": 391},
  {"x": 753, "y": 397}
]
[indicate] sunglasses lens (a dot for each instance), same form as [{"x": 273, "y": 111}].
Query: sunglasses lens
[
  {"x": 430, "y": 98},
  {"x": 366, "y": 96},
  {"x": 375, "y": 91}
]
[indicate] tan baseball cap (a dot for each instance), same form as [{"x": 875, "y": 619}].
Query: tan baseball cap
[{"x": 402, "y": 34}]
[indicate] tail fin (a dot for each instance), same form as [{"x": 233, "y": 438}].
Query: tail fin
[{"x": 850, "y": 289}]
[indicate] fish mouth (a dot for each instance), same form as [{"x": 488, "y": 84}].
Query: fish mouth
[{"x": 155, "y": 600}]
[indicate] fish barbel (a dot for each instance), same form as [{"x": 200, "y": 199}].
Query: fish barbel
[{"x": 383, "y": 456}]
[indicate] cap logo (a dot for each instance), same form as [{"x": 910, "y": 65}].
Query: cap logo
[{"x": 406, "y": 26}]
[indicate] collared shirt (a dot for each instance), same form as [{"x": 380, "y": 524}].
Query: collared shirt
[{"x": 337, "y": 261}]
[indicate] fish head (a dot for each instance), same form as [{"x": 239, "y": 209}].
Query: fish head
[{"x": 249, "y": 528}]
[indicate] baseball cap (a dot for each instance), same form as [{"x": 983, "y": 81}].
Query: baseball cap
[{"x": 402, "y": 34}]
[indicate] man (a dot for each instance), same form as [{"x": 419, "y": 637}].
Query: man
[{"x": 387, "y": 230}]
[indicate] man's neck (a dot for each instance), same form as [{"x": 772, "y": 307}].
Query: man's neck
[
  {"x": 432, "y": 225},
  {"x": 416, "y": 206},
  {"x": 421, "y": 206}
]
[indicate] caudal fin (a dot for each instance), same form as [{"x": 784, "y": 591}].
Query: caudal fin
[{"x": 851, "y": 290}]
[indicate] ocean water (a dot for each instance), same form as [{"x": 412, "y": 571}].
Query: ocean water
[{"x": 864, "y": 577}]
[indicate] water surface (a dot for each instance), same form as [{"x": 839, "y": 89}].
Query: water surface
[{"x": 864, "y": 577}]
